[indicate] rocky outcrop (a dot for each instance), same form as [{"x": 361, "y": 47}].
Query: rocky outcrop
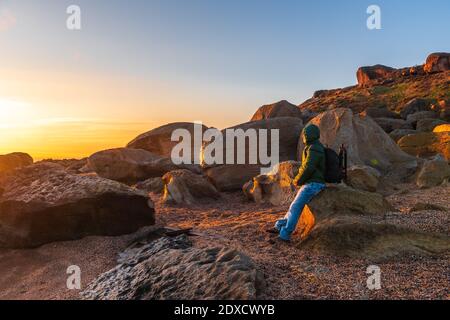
[
  {"x": 172, "y": 269},
  {"x": 366, "y": 142},
  {"x": 347, "y": 222},
  {"x": 433, "y": 173},
  {"x": 437, "y": 62},
  {"x": 43, "y": 203},
  {"x": 131, "y": 165},
  {"x": 366, "y": 75},
  {"x": 442, "y": 128},
  {"x": 428, "y": 125},
  {"x": 185, "y": 187},
  {"x": 389, "y": 124},
  {"x": 426, "y": 144},
  {"x": 158, "y": 141},
  {"x": 276, "y": 110},
  {"x": 397, "y": 134},
  {"x": 413, "y": 106},
  {"x": 234, "y": 176},
  {"x": 275, "y": 188},
  {"x": 363, "y": 178},
  {"x": 11, "y": 161}
]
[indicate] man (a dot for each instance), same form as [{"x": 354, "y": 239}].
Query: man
[{"x": 310, "y": 179}]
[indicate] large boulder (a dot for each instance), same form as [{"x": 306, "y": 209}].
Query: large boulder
[
  {"x": 366, "y": 142},
  {"x": 428, "y": 125},
  {"x": 389, "y": 124},
  {"x": 275, "y": 188},
  {"x": 43, "y": 203},
  {"x": 171, "y": 268},
  {"x": 414, "y": 117},
  {"x": 347, "y": 222},
  {"x": 276, "y": 110},
  {"x": 131, "y": 165},
  {"x": 433, "y": 173},
  {"x": 413, "y": 106},
  {"x": 367, "y": 75},
  {"x": 426, "y": 144},
  {"x": 158, "y": 140},
  {"x": 442, "y": 128},
  {"x": 11, "y": 161},
  {"x": 397, "y": 134},
  {"x": 185, "y": 187},
  {"x": 363, "y": 178},
  {"x": 437, "y": 62},
  {"x": 233, "y": 176}
]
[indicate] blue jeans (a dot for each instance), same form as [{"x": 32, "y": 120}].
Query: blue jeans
[{"x": 287, "y": 225}]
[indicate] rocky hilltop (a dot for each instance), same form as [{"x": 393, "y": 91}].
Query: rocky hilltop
[{"x": 382, "y": 87}]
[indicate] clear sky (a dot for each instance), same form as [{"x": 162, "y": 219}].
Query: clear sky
[{"x": 139, "y": 64}]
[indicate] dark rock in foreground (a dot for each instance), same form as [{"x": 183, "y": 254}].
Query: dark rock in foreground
[
  {"x": 43, "y": 203},
  {"x": 171, "y": 268}
]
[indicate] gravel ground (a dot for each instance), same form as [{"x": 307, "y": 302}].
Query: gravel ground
[{"x": 291, "y": 273}]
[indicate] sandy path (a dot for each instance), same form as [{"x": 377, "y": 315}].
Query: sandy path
[{"x": 290, "y": 273}]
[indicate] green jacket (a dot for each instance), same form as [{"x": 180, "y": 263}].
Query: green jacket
[{"x": 313, "y": 158}]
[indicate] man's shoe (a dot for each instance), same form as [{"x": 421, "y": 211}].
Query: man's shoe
[{"x": 284, "y": 240}]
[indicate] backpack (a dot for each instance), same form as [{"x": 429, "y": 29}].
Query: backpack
[{"x": 335, "y": 165}]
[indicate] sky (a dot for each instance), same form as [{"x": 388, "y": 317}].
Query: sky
[{"x": 139, "y": 64}]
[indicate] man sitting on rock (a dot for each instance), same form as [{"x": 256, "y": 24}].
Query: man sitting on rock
[{"x": 310, "y": 179}]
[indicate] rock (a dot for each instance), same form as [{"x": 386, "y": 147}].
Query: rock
[
  {"x": 390, "y": 125},
  {"x": 307, "y": 115},
  {"x": 275, "y": 188},
  {"x": 72, "y": 165},
  {"x": 366, "y": 142},
  {"x": 433, "y": 173},
  {"x": 428, "y": 125},
  {"x": 363, "y": 178},
  {"x": 397, "y": 134},
  {"x": 414, "y": 117},
  {"x": 437, "y": 62},
  {"x": 377, "y": 112},
  {"x": 347, "y": 222},
  {"x": 276, "y": 110},
  {"x": 413, "y": 106},
  {"x": 426, "y": 144},
  {"x": 11, "y": 161},
  {"x": 185, "y": 187},
  {"x": 442, "y": 128},
  {"x": 172, "y": 269},
  {"x": 233, "y": 176},
  {"x": 158, "y": 140},
  {"x": 43, "y": 203},
  {"x": 366, "y": 75},
  {"x": 131, "y": 165},
  {"x": 421, "y": 206},
  {"x": 155, "y": 185}
]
